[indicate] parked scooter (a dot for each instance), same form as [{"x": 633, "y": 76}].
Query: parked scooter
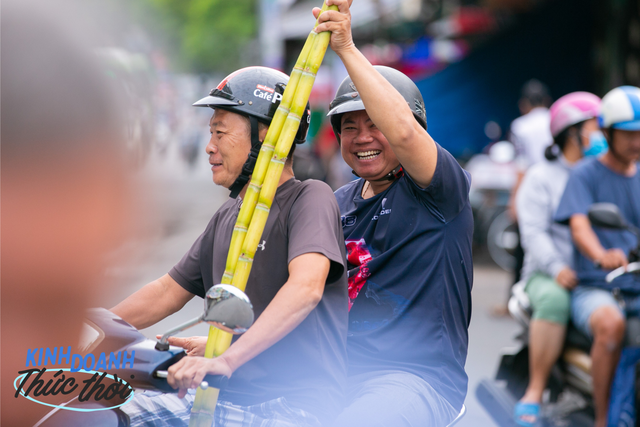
[
  {"x": 225, "y": 307},
  {"x": 569, "y": 400},
  {"x": 494, "y": 175}
]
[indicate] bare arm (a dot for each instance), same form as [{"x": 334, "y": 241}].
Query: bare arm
[
  {"x": 291, "y": 305},
  {"x": 589, "y": 245},
  {"x": 153, "y": 302},
  {"x": 388, "y": 110}
]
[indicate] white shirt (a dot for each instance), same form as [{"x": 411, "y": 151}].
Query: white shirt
[{"x": 530, "y": 135}]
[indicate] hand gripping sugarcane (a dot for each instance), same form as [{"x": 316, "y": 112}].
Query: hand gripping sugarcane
[{"x": 259, "y": 196}]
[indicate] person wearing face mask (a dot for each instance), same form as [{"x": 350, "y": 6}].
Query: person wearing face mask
[
  {"x": 547, "y": 269},
  {"x": 610, "y": 178}
]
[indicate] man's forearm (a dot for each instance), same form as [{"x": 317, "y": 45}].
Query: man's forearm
[
  {"x": 385, "y": 106},
  {"x": 585, "y": 238},
  {"x": 152, "y": 303},
  {"x": 291, "y": 305}
]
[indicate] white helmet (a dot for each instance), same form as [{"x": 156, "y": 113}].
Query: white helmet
[{"x": 620, "y": 109}]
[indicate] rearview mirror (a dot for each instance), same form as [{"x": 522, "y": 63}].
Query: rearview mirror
[
  {"x": 228, "y": 308},
  {"x": 606, "y": 215},
  {"x": 225, "y": 307}
]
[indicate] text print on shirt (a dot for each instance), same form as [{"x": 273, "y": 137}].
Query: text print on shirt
[{"x": 383, "y": 211}]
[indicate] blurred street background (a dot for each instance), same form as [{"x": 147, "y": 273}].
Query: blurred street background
[{"x": 470, "y": 59}]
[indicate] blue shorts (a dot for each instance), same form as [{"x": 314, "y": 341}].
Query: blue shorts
[
  {"x": 586, "y": 300},
  {"x": 393, "y": 398}
]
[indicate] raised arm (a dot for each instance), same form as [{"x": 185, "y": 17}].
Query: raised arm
[
  {"x": 153, "y": 302},
  {"x": 388, "y": 110}
]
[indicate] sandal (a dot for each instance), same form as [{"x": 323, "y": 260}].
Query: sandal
[{"x": 528, "y": 410}]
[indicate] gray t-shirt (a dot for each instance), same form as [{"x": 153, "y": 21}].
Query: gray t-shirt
[{"x": 308, "y": 366}]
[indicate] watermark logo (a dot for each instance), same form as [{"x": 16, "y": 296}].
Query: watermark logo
[{"x": 41, "y": 384}]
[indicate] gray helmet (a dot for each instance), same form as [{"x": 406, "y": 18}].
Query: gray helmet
[{"x": 348, "y": 99}]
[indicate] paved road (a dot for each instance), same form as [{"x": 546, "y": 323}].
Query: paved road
[{"x": 174, "y": 205}]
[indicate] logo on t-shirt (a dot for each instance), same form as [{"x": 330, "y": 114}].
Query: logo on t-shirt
[
  {"x": 348, "y": 221},
  {"x": 383, "y": 211},
  {"x": 262, "y": 245}
]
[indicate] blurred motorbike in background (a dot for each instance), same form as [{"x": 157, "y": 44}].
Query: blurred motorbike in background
[
  {"x": 493, "y": 175},
  {"x": 568, "y": 400}
]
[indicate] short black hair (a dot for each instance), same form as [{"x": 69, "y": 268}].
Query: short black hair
[
  {"x": 536, "y": 92},
  {"x": 560, "y": 141}
]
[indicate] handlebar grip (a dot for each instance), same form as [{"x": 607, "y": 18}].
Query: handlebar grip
[
  {"x": 633, "y": 267},
  {"x": 217, "y": 381}
]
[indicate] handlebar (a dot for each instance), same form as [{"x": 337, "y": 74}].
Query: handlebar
[
  {"x": 633, "y": 267},
  {"x": 217, "y": 381}
]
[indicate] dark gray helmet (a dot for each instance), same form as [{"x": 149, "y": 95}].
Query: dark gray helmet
[
  {"x": 348, "y": 99},
  {"x": 254, "y": 92}
]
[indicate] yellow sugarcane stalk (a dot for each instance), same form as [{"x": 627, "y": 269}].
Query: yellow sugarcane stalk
[
  {"x": 259, "y": 196},
  {"x": 276, "y": 165},
  {"x": 257, "y": 177}
]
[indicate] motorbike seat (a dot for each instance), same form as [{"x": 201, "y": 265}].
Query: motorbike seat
[{"x": 577, "y": 339}]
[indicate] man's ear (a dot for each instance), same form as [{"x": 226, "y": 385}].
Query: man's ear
[{"x": 262, "y": 131}]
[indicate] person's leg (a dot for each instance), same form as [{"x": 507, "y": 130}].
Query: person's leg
[
  {"x": 152, "y": 408},
  {"x": 596, "y": 313},
  {"x": 393, "y": 398},
  {"x": 551, "y": 305},
  {"x": 607, "y": 324},
  {"x": 166, "y": 410},
  {"x": 273, "y": 413}
]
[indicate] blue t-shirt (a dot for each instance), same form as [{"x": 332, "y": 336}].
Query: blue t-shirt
[
  {"x": 409, "y": 254},
  {"x": 592, "y": 182}
]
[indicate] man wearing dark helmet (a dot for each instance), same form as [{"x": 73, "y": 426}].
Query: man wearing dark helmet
[
  {"x": 289, "y": 368},
  {"x": 407, "y": 224}
]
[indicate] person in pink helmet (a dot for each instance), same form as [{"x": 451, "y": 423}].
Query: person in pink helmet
[{"x": 547, "y": 270}]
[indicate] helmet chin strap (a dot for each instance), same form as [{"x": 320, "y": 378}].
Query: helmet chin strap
[
  {"x": 396, "y": 173},
  {"x": 247, "y": 168}
]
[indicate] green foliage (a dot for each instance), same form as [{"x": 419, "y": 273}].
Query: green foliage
[{"x": 205, "y": 35}]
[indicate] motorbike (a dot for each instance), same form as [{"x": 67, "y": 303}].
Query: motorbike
[
  {"x": 494, "y": 175},
  {"x": 225, "y": 307},
  {"x": 568, "y": 399}
]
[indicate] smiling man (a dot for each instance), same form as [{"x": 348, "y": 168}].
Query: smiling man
[
  {"x": 407, "y": 224},
  {"x": 289, "y": 368}
]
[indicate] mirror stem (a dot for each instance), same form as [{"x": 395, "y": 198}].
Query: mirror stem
[{"x": 163, "y": 343}]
